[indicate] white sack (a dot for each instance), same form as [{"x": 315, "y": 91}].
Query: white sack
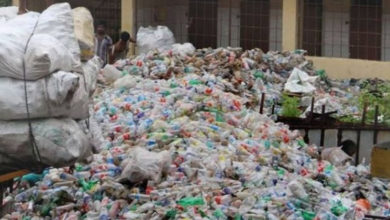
[
  {"x": 13, "y": 39},
  {"x": 84, "y": 31},
  {"x": 144, "y": 165},
  {"x": 111, "y": 73},
  {"x": 127, "y": 82},
  {"x": 53, "y": 46},
  {"x": 45, "y": 54},
  {"x": 57, "y": 21},
  {"x": 300, "y": 82},
  {"x": 61, "y": 94},
  {"x": 151, "y": 38},
  {"x": 91, "y": 70},
  {"x": 60, "y": 143},
  {"x": 94, "y": 133},
  {"x": 183, "y": 50},
  {"x": 7, "y": 13},
  {"x": 332, "y": 103},
  {"x": 335, "y": 156}
]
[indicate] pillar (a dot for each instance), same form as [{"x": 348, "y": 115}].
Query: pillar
[
  {"x": 127, "y": 20},
  {"x": 290, "y": 25},
  {"x": 15, "y": 2}
]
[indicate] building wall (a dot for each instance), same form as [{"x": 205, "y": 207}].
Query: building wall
[
  {"x": 344, "y": 68},
  {"x": 174, "y": 14},
  {"x": 224, "y": 22},
  {"x": 386, "y": 31},
  {"x": 276, "y": 25},
  {"x": 335, "y": 24}
]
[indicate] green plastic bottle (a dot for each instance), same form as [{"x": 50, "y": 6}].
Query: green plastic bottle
[
  {"x": 171, "y": 214},
  {"x": 306, "y": 215},
  {"x": 191, "y": 201}
]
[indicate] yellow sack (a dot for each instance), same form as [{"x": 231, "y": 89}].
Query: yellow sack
[{"x": 84, "y": 31}]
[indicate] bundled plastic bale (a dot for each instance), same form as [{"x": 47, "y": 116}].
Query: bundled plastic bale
[
  {"x": 45, "y": 54},
  {"x": 151, "y": 38},
  {"x": 57, "y": 21},
  {"x": 60, "y": 143},
  {"x": 52, "y": 47},
  {"x": 84, "y": 31},
  {"x": 144, "y": 165},
  {"x": 62, "y": 94}
]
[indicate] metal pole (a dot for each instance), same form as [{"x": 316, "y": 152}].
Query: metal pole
[
  {"x": 322, "y": 141},
  {"x": 262, "y": 103},
  {"x": 376, "y": 124},
  {"x": 339, "y": 136},
  {"x": 359, "y": 134},
  {"x": 230, "y": 22},
  {"x": 312, "y": 108}
]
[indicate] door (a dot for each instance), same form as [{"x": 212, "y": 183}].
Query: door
[
  {"x": 202, "y": 30},
  {"x": 366, "y": 29},
  {"x": 312, "y": 27},
  {"x": 255, "y": 24}
]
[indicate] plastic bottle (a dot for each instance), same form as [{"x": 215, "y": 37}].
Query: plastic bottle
[
  {"x": 191, "y": 201},
  {"x": 247, "y": 204}
]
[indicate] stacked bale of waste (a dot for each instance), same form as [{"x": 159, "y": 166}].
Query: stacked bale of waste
[{"x": 44, "y": 88}]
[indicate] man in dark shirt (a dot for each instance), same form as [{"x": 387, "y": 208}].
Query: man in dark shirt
[{"x": 121, "y": 48}]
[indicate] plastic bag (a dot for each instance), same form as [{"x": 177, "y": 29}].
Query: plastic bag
[
  {"x": 111, "y": 73},
  {"x": 144, "y": 165},
  {"x": 300, "y": 82},
  {"x": 183, "y": 50},
  {"x": 84, "y": 31},
  {"x": 60, "y": 143},
  {"x": 126, "y": 82},
  {"x": 151, "y": 38}
]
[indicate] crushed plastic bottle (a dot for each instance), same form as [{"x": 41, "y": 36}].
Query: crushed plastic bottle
[{"x": 224, "y": 160}]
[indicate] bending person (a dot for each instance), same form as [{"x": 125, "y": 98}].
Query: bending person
[{"x": 121, "y": 48}]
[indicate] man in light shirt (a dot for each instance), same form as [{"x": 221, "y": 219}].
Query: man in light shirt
[{"x": 103, "y": 42}]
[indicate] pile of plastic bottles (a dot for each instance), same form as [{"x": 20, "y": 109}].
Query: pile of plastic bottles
[{"x": 201, "y": 152}]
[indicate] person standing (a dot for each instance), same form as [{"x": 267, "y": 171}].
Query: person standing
[
  {"x": 103, "y": 42},
  {"x": 121, "y": 48}
]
